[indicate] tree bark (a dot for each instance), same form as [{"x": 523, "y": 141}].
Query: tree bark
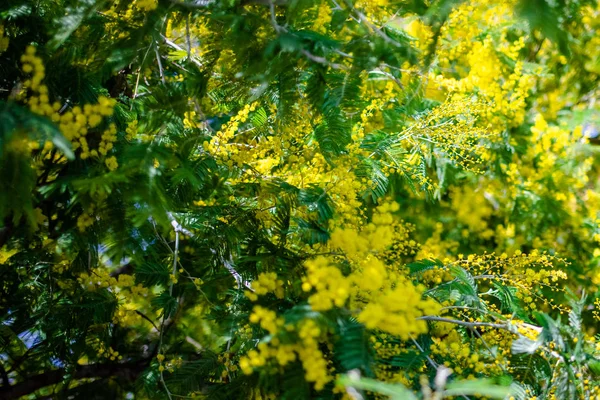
[{"x": 126, "y": 371}]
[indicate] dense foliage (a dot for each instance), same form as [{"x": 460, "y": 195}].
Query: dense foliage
[{"x": 289, "y": 199}]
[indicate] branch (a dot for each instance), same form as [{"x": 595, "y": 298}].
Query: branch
[
  {"x": 179, "y": 48},
  {"x": 322, "y": 60},
  {"x": 236, "y": 275},
  {"x": 430, "y": 360},
  {"x": 141, "y": 314},
  {"x": 177, "y": 226},
  {"x": 465, "y": 323},
  {"x": 129, "y": 372},
  {"x": 227, "y": 264},
  {"x": 370, "y": 25},
  {"x": 197, "y": 4},
  {"x": 160, "y": 67},
  {"x": 281, "y": 29},
  {"x": 202, "y": 4},
  {"x": 187, "y": 36}
]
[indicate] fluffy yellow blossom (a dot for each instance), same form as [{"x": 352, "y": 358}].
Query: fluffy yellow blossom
[
  {"x": 307, "y": 350},
  {"x": 266, "y": 282},
  {"x": 111, "y": 163},
  {"x": 146, "y": 5},
  {"x": 77, "y": 124},
  {"x": 3, "y": 40},
  {"x": 267, "y": 319},
  {"x": 397, "y": 311},
  {"x": 332, "y": 288}
]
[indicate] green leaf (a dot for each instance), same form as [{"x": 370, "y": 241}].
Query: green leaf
[
  {"x": 165, "y": 302},
  {"x": 14, "y": 117},
  {"x": 150, "y": 274},
  {"x": 480, "y": 387},
  {"x": 394, "y": 391},
  {"x": 544, "y": 15},
  {"x": 353, "y": 348},
  {"x": 72, "y": 19},
  {"x": 420, "y": 266}
]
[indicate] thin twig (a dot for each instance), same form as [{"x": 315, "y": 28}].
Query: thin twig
[
  {"x": 370, "y": 25},
  {"x": 280, "y": 29},
  {"x": 160, "y": 67},
  {"x": 429, "y": 359},
  {"x": 227, "y": 264},
  {"x": 464, "y": 323},
  {"x": 322, "y": 60},
  {"x": 141, "y": 314},
  {"x": 276, "y": 26},
  {"x": 175, "y": 254},
  {"x": 137, "y": 81},
  {"x": 162, "y": 325},
  {"x": 177, "y": 226},
  {"x": 187, "y": 36},
  {"x": 193, "y": 6}
]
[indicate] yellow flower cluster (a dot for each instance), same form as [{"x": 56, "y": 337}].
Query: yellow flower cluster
[
  {"x": 330, "y": 285},
  {"x": 307, "y": 350},
  {"x": 145, "y": 5},
  {"x": 332, "y": 288},
  {"x": 131, "y": 130},
  {"x": 476, "y": 36},
  {"x": 358, "y": 130},
  {"x": 459, "y": 355},
  {"x": 103, "y": 351},
  {"x": 170, "y": 365},
  {"x": 437, "y": 248},
  {"x": 454, "y": 127},
  {"x": 376, "y": 10},
  {"x": 131, "y": 12},
  {"x": 387, "y": 348},
  {"x": 283, "y": 353},
  {"x": 376, "y": 236},
  {"x": 33, "y": 65},
  {"x": 420, "y": 32},
  {"x": 387, "y": 300},
  {"x": 266, "y": 282},
  {"x": 109, "y": 136},
  {"x": 219, "y": 143},
  {"x": 74, "y": 124},
  {"x": 323, "y": 18},
  {"x": 111, "y": 163},
  {"x": 552, "y": 156},
  {"x": 85, "y": 220},
  {"x": 313, "y": 361},
  {"x": 288, "y": 153},
  {"x": 189, "y": 120},
  {"x": 529, "y": 331},
  {"x": 3, "y": 40},
  {"x": 529, "y": 273},
  {"x": 228, "y": 363},
  {"x": 61, "y": 266},
  {"x": 132, "y": 297},
  {"x": 397, "y": 310},
  {"x": 475, "y": 217},
  {"x": 100, "y": 278},
  {"x": 267, "y": 319}
]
